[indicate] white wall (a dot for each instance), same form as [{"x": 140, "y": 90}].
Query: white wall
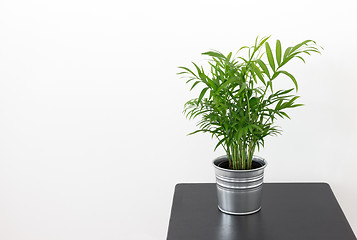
[{"x": 92, "y": 136}]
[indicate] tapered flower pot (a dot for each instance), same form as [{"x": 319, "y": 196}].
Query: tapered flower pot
[{"x": 239, "y": 192}]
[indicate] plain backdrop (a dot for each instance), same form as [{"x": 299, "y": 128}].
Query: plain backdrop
[{"x": 92, "y": 135}]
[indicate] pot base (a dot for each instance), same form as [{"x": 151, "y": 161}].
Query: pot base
[{"x": 239, "y": 214}]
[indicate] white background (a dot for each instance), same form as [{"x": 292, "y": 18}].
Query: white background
[{"x": 92, "y": 135}]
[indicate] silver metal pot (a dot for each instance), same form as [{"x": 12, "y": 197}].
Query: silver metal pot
[{"x": 239, "y": 192}]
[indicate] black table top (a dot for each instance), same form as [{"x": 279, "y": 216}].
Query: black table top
[{"x": 290, "y": 211}]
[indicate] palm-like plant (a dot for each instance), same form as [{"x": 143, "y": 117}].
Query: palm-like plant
[{"x": 238, "y": 104}]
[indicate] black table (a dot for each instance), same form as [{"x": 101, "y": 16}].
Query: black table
[{"x": 290, "y": 211}]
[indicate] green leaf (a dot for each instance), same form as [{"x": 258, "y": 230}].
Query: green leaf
[
  {"x": 263, "y": 41},
  {"x": 229, "y": 56},
  {"x": 190, "y": 79},
  {"x": 302, "y": 59},
  {"x": 219, "y": 143},
  {"x": 241, "y": 89},
  {"x": 214, "y": 54},
  {"x": 300, "y": 44},
  {"x": 270, "y": 84},
  {"x": 244, "y": 47},
  {"x": 193, "y": 85},
  {"x": 253, "y": 101},
  {"x": 292, "y": 78},
  {"x": 245, "y": 60},
  {"x": 275, "y": 75},
  {"x": 297, "y": 105},
  {"x": 223, "y": 85},
  {"x": 240, "y": 133},
  {"x": 286, "y": 91},
  {"x": 256, "y": 41},
  {"x": 277, "y": 107},
  {"x": 263, "y": 67},
  {"x": 258, "y": 73},
  {"x": 257, "y": 127},
  {"x": 202, "y": 94},
  {"x": 245, "y": 132},
  {"x": 198, "y": 69},
  {"x": 278, "y": 52},
  {"x": 287, "y": 52},
  {"x": 188, "y": 71},
  {"x": 197, "y": 131},
  {"x": 270, "y": 56},
  {"x": 284, "y": 114}
]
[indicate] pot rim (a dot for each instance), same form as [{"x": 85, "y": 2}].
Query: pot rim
[{"x": 244, "y": 170}]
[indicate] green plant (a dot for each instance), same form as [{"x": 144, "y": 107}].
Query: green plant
[{"x": 238, "y": 104}]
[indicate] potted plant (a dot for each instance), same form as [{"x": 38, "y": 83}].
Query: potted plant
[{"x": 238, "y": 105}]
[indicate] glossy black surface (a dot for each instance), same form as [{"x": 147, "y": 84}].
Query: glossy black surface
[{"x": 290, "y": 211}]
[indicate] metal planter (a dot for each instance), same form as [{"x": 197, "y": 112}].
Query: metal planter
[{"x": 239, "y": 192}]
